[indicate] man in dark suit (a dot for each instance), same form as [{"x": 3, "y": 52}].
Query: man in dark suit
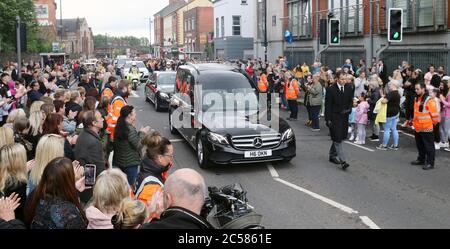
[
  {"x": 15, "y": 72},
  {"x": 338, "y": 106}
]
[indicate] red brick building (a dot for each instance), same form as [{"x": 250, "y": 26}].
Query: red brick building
[
  {"x": 46, "y": 18},
  {"x": 198, "y": 23},
  {"x": 426, "y": 36}
]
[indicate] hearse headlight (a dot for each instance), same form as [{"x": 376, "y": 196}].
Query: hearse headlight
[
  {"x": 288, "y": 134},
  {"x": 217, "y": 138}
]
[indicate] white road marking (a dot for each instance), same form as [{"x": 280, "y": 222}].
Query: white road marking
[
  {"x": 134, "y": 94},
  {"x": 319, "y": 197},
  {"x": 359, "y": 146},
  {"x": 273, "y": 172},
  {"x": 407, "y": 134},
  {"x": 366, "y": 220},
  {"x": 176, "y": 140}
]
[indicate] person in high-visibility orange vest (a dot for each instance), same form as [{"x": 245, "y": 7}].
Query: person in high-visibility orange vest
[
  {"x": 119, "y": 100},
  {"x": 110, "y": 87},
  {"x": 292, "y": 92},
  {"x": 263, "y": 84},
  {"x": 426, "y": 114}
]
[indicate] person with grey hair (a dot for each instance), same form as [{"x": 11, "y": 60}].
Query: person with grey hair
[{"x": 183, "y": 198}]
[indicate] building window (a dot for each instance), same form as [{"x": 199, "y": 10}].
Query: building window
[
  {"x": 193, "y": 24},
  {"x": 217, "y": 28},
  {"x": 350, "y": 12},
  {"x": 236, "y": 25},
  {"x": 274, "y": 21},
  {"x": 420, "y": 13},
  {"x": 244, "y": 2},
  {"x": 222, "y": 25},
  {"x": 300, "y": 22}
]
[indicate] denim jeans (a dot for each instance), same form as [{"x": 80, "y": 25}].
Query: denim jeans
[
  {"x": 315, "y": 112},
  {"x": 284, "y": 102},
  {"x": 131, "y": 172},
  {"x": 391, "y": 126},
  {"x": 445, "y": 129}
]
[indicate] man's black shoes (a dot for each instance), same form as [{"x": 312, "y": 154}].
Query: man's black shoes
[
  {"x": 418, "y": 163},
  {"x": 345, "y": 166},
  {"x": 428, "y": 167},
  {"x": 335, "y": 160}
]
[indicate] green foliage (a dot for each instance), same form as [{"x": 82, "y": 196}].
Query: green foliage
[
  {"x": 9, "y": 9},
  {"x": 130, "y": 41}
]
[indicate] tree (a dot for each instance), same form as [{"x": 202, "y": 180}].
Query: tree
[{"x": 9, "y": 9}]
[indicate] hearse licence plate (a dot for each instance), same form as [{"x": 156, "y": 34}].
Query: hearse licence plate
[{"x": 257, "y": 154}]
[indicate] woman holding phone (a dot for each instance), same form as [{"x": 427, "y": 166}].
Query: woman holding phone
[{"x": 55, "y": 204}]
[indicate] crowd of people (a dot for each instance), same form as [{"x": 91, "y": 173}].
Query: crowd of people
[
  {"x": 379, "y": 100},
  {"x": 52, "y": 130}
]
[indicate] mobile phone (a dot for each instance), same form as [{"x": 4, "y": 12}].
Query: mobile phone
[{"x": 89, "y": 174}]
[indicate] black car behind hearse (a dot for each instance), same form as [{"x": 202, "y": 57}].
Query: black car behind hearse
[
  {"x": 225, "y": 126},
  {"x": 159, "y": 89}
]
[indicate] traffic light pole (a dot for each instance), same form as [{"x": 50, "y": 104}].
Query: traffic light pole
[
  {"x": 383, "y": 49},
  {"x": 265, "y": 31},
  {"x": 19, "y": 47}
]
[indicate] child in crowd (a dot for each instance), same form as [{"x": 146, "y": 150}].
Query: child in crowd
[
  {"x": 434, "y": 94},
  {"x": 352, "y": 121},
  {"x": 361, "y": 119}
]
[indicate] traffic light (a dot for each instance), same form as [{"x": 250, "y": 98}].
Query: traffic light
[
  {"x": 23, "y": 38},
  {"x": 335, "y": 32},
  {"x": 323, "y": 31},
  {"x": 395, "y": 25}
]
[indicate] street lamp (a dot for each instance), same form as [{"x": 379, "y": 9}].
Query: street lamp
[
  {"x": 61, "y": 20},
  {"x": 150, "y": 27},
  {"x": 265, "y": 28}
]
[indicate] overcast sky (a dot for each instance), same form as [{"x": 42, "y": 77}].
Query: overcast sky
[{"x": 114, "y": 17}]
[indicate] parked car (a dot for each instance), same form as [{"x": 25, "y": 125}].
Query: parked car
[
  {"x": 160, "y": 88},
  {"x": 247, "y": 140}
]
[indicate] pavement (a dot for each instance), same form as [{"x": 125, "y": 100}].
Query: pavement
[{"x": 379, "y": 190}]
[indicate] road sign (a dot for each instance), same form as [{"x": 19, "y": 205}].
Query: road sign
[{"x": 55, "y": 47}]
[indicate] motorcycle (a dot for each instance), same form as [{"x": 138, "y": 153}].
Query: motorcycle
[
  {"x": 135, "y": 83},
  {"x": 135, "y": 80}
]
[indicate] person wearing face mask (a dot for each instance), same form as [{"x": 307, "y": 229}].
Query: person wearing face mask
[
  {"x": 155, "y": 165},
  {"x": 127, "y": 144}
]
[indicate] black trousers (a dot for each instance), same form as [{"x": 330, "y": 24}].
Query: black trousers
[
  {"x": 436, "y": 133},
  {"x": 293, "y": 106},
  {"x": 425, "y": 145},
  {"x": 409, "y": 108}
]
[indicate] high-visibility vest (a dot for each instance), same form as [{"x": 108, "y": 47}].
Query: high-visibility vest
[
  {"x": 114, "y": 113},
  {"x": 107, "y": 92},
  {"x": 291, "y": 89},
  {"x": 263, "y": 84},
  {"x": 424, "y": 120}
]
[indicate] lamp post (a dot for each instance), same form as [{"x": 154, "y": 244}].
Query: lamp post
[
  {"x": 19, "y": 48},
  {"x": 265, "y": 28},
  {"x": 150, "y": 28},
  {"x": 61, "y": 19}
]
